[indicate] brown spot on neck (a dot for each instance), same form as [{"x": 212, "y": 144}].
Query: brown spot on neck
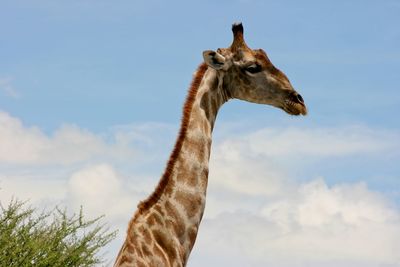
[
  {"x": 192, "y": 203},
  {"x": 164, "y": 242}
]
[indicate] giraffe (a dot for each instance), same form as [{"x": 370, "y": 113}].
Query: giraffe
[{"x": 163, "y": 230}]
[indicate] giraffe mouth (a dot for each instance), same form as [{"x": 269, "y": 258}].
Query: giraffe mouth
[{"x": 294, "y": 108}]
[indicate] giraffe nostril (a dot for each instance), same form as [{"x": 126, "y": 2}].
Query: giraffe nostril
[
  {"x": 300, "y": 98},
  {"x": 297, "y": 98}
]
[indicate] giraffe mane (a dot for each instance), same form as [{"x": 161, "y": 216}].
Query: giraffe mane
[{"x": 187, "y": 108}]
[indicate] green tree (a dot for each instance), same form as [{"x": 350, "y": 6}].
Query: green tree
[{"x": 29, "y": 238}]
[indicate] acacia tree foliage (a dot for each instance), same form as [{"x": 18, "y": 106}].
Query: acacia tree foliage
[{"x": 28, "y": 238}]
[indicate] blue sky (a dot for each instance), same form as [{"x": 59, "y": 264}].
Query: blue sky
[
  {"x": 94, "y": 55},
  {"x": 94, "y": 89}
]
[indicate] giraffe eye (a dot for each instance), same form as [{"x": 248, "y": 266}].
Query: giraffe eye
[{"x": 253, "y": 68}]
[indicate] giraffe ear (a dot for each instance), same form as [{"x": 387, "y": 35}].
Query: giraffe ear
[{"x": 214, "y": 59}]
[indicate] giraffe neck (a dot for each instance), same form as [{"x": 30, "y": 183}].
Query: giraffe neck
[
  {"x": 189, "y": 176},
  {"x": 164, "y": 228},
  {"x": 186, "y": 189},
  {"x": 173, "y": 212},
  {"x": 190, "y": 173},
  {"x": 206, "y": 95}
]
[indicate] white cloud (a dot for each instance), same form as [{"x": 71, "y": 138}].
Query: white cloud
[
  {"x": 316, "y": 225},
  {"x": 315, "y": 142},
  {"x": 259, "y": 163},
  {"x": 44, "y": 188},
  {"x": 353, "y": 204},
  {"x": 257, "y": 216},
  {"x": 69, "y": 144},
  {"x": 245, "y": 173},
  {"x": 100, "y": 190}
]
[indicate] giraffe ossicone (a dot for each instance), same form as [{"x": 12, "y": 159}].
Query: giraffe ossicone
[{"x": 163, "y": 230}]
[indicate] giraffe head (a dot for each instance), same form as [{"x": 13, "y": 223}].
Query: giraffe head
[{"x": 249, "y": 75}]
